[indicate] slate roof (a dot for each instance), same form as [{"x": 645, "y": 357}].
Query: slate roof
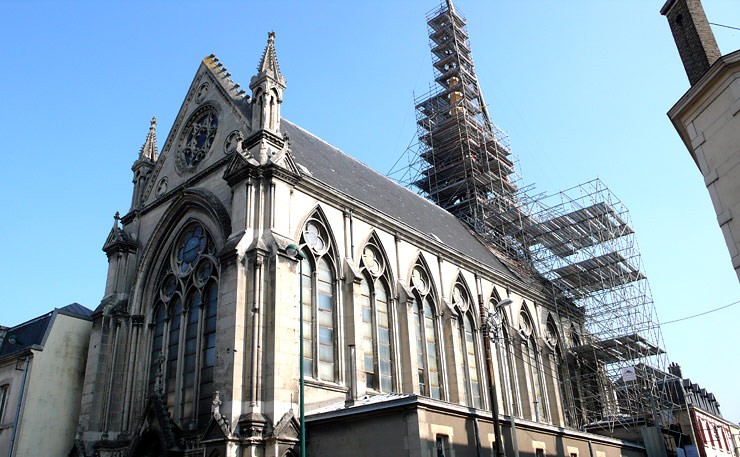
[
  {"x": 32, "y": 333},
  {"x": 78, "y": 310},
  {"x": 338, "y": 170},
  {"x": 27, "y": 334}
]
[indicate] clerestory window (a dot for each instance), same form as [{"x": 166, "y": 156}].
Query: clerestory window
[{"x": 183, "y": 327}]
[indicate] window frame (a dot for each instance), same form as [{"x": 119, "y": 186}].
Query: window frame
[
  {"x": 314, "y": 256},
  {"x": 374, "y": 281},
  {"x": 422, "y": 296}
]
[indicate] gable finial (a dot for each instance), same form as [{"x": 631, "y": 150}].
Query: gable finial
[
  {"x": 268, "y": 63},
  {"x": 116, "y": 218},
  {"x": 149, "y": 148}
]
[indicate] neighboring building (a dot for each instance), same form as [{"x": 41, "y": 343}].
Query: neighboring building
[
  {"x": 42, "y": 365},
  {"x": 707, "y": 117},
  {"x": 699, "y": 416}
]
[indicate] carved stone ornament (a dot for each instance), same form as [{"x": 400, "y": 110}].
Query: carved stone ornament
[
  {"x": 233, "y": 141},
  {"x": 162, "y": 186},
  {"x": 200, "y": 95}
]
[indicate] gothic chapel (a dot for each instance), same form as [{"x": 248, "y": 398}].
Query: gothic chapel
[{"x": 195, "y": 345}]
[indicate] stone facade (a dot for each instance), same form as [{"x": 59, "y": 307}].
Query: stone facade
[{"x": 195, "y": 346}]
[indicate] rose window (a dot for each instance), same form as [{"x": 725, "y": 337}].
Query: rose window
[{"x": 197, "y": 138}]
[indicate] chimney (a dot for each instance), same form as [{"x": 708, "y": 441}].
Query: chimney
[
  {"x": 675, "y": 370},
  {"x": 693, "y": 35}
]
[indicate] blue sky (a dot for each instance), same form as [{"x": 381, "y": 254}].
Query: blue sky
[{"x": 582, "y": 88}]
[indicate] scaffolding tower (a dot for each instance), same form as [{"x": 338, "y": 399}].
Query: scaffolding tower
[
  {"x": 578, "y": 243},
  {"x": 582, "y": 243},
  {"x": 464, "y": 162}
]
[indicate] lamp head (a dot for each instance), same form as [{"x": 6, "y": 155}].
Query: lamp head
[
  {"x": 503, "y": 303},
  {"x": 294, "y": 251}
]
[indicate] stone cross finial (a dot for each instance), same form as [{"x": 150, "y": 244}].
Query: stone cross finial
[
  {"x": 153, "y": 123},
  {"x": 116, "y": 218}
]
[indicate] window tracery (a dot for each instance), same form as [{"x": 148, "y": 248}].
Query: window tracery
[
  {"x": 426, "y": 324},
  {"x": 197, "y": 137},
  {"x": 183, "y": 326},
  {"x": 319, "y": 301},
  {"x": 376, "y": 319}
]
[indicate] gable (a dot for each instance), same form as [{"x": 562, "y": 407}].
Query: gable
[{"x": 223, "y": 109}]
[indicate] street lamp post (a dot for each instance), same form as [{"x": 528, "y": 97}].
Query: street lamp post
[
  {"x": 491, "y": 327},
  {"x": 295, "y": 252}
]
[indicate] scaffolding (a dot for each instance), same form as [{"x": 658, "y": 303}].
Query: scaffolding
[
  {"x": 464, "y": 162},
  {"x": 578, "y": 243},
  {"x": 582, "y": 243}
]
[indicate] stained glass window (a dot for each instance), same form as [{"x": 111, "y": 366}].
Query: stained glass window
[
  {"x": 197, "y": 137},
  {"x": 184, "y": 333}
]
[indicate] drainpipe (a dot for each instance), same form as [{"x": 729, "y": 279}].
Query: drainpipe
[{"x": 18, "y": 409}]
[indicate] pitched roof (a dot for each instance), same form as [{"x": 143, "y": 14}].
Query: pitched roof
[
  {"x": 77, "y": 310},
  {"x": 340, "y": 171},
  {"x": 32, "y": 333},
  {"x": 26, "y": 335}
]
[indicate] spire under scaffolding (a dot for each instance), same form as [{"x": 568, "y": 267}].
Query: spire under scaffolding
[
  {"x": 578, "y": 242},
  {"x": 465, "y": 161}
]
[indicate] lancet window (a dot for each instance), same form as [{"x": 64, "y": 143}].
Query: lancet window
[
  {"x": 376, "y": 319},
  {"x": 559, "y": 368},
  {"x": 426, "y": 329},
  {"x": 532, "y": 366},
  {"x": 319, "y": 301},
  {"x": 183, "y": 326},
  {"x": 505, "y": 354},
  {"x": 469, "y": 369}
]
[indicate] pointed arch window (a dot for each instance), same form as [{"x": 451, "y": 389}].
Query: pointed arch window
[
  {"x": 426, "y": 328},
  {"x": 556, "y": 368},
  {"x": 532, "y": 366},
  {"x": 468, "y": 358},
  {"x": 376, "y": 319},
  {"x": 506, "y": 367},
  {"x": 183, "y": 326},
  {"x": 319, "y": 301}
]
